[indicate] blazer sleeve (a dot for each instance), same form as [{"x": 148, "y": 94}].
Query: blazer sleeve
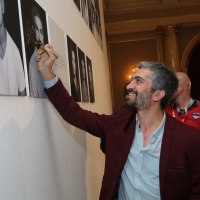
[
  {"x": 97, "y": 125},
  {"x": 195, "y": 172}
]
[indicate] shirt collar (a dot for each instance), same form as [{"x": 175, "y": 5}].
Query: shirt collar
[{"x": 159, "y": 131}]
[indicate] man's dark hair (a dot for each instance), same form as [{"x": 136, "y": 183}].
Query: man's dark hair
[{"x": 162, "y": 78}]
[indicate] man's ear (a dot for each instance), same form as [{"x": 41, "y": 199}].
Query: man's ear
[
  {"x": 180, "y": 87},
  {"x": 158, "y": 95}
]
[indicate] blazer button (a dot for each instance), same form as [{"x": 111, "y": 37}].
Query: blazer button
[{"x": 114, "y": 183}]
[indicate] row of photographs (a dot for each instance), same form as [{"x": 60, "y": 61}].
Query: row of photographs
[
  {"x": 91, "y": 14},
  {"x": 23, "y": 25},
  {"x": 81, "y": 77}
]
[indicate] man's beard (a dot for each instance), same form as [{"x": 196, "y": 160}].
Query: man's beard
[
  {"x": 142, "y": 101},
  {"x": 39, "y": 42}
]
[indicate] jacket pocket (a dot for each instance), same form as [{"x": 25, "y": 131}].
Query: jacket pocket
[
  {"x": 177, "y": 183},
  {"x": 178, "y": 169}
]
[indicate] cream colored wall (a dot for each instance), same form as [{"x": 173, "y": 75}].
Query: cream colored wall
[{"x": 41, "y": 156}]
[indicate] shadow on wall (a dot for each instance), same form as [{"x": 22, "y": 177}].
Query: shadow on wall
[{"x": 45, "y": 160}]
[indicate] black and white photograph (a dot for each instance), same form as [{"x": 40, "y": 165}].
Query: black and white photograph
[
  {"x": 96, "y": 3},
  {"x": 98, "y": 33},
  {"x": 77, "y": 2},
  {"x": 94, "y": 27},
  {"x": 85, "y": 11},
  {"x": 12, "y": 76},
  {"x": 35, "y": 35},
  {"x": 90, "y": 14},
  {"x": 83, "y": 75},
  {"x": 90, "y": 80},
  {"x": 74, "y": 70}
]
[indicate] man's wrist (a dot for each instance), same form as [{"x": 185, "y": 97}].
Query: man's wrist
[
  {"x": 49, "y": 83},
  {"x": 47, "y": 75}
]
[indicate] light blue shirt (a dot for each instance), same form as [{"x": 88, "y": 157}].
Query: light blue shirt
[
  {"x": 140, "y": 176},
  {"x": 50, "y": 83}
]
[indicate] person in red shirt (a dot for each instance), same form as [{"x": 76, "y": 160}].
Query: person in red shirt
[{"x": 182, "y": 106}]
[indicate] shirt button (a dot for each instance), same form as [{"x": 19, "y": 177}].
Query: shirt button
[
  {"x": 141, "y": 154},
  {"x": 137, "y": 175},
  {"x": 137, "y": 193}
]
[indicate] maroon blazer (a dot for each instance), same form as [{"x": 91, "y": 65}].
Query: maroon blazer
[{"x": 180, "y": 151}]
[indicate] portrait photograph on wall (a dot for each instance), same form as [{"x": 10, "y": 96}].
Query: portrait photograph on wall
[
  {"x": 94, "y": 21},
  {"x": 83, "y": 76},
  {"x": 84, "y": 7},
  {"x": 57, "y": 38},
  {"x": 73, "y": 70},
  {"x": 98, "y": 34},
  {"x": 90, "y": 80},
  {"x": 96, "y": 3},
  {"x": 12, "y": 76},
  {"x": 91, "y": 12},
  {"x": 35, "y": 35}
]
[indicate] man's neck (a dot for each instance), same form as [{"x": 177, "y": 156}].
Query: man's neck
[
  {"x": 183, "y": 103},
  {"x": 150, "y": 120}
]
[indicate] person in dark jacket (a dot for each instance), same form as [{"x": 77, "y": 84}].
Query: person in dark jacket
[{"x": 149, "y": 154}]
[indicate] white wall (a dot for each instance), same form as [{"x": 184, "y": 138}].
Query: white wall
[{"x": 41, "y": 156}]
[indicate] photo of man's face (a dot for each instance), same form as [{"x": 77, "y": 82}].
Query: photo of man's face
[
  {"x": 84, "y": 83},
  {"x": 38, "y": 30},
  {"x": 34, "y": 25},
  {"x": 90, "y": 80},
  {"x": 12, "y": 77},
  {"x": 73, "y": 62},
  {"x": 73, "y": 70},
  {"x": 89, "y": 73},
  {"x": 85, "y": 11},
  {"x": 83, "y": 68},
  {"x": 35, "y": 34}
]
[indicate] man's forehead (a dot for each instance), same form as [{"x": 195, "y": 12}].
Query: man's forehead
[
  {"x": 143, "y": 72},
  {"x": 38, "y": 20}
]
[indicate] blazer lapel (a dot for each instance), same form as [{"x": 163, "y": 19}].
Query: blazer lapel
[{"x": 165, "y": 150}]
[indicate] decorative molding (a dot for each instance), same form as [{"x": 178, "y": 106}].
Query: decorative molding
[
  {"x": 120, "y": 20},
  {"x": 122, "y": 27}
]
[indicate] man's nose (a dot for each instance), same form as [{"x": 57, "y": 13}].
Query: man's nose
[{"x": 131, "y": 85}]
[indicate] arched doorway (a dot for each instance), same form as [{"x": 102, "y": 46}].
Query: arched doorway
[{"x": 194, "y": 71}]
